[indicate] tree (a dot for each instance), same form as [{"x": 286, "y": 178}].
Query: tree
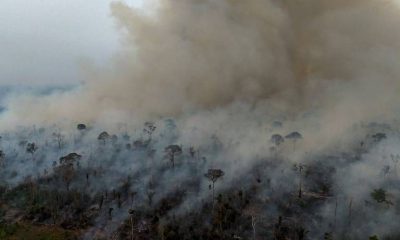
[
  {"x": 150, "y": 194},
  {"x": 379, "y": 195},
  {"x": 172, "y": 151},
  {"x": 139, "y": 144},
  {"x": 278, "y": 229},
  {"x": 300, "y": 169},
  {"x": 213, "y": 175},
  {"x": 254, "y": 211},
  {"x": 110, "y": 210},
  {"x": 81, "y": 127},
  {"x": 31, "y": 148},
  {"x": 395, "y": 160},
  {"x": 192, "y": 152},
  {"x": 131, "y": 214},
  {"x": 277, "y": 139},
  {"x": 379, "y": 137},
  {"x": 2, "y": 159},
  {"x": 82, "y": 131},
  {"x": 104, "y": 136},
  {"x": 66, "y": 168},
  {"x": 301, "y": 233},
  {"x": 350, "y": 212},
  {"x": 149, "y": 128},
  {"x": 385, "y": 170},
  {"x": 59, "y": 137},
  {"x": 294, "y": 136},
  {"x": 101, "y": 201},
  {"x": 328, "y": 236},
  {"x": 70, "y": 158}
]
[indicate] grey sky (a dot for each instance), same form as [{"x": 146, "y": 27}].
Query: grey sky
[{"x": 42, "y": 41}]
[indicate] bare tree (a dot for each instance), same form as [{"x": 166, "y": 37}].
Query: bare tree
[
  {"x": 350, "y": 212},
  {"x": 101, "y": 201},
  {"x": 213, "y": 175},
  {"x": 149, "y": 128},
  {"x": 335, "y": 215},
  {"x": 254, "y": 212},
  {"x": 277, "y": 139},
  {"x": 2, "y": 159},
  {"x": 172, "y": 151},
  {"x": 300, "y": 169},
  {"x": 31, "y": 148},
  {"x": 278, "y": 229},
  {"x": 150, "y": 194},
  {"x": 59, "y": 138},
  {"x": 54, "y": 205},
  {"x": 110, "y": 210},
  {"x": 131, "y": 214},
  {"x": 192, "y": 152},
  {"x": 395, "y": 160}
]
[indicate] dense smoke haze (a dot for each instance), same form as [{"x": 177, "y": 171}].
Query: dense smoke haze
[
  {"x": 336, "y": 58},
  {"x": 260, "y": 89}
]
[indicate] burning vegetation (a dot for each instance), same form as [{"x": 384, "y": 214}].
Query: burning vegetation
[
  {"x": 165, "y": 189},
  {"x": 256, "y": 119}
]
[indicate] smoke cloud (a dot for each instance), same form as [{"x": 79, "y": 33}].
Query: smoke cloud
[{"x": 336, "y": 59}]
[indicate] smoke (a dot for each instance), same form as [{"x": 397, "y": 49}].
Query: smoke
[
  {"x": 332, "y": 59},
  {"x": 225, "y": 70}
]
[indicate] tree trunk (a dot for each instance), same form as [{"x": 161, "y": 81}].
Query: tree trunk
[
  {"x": 350, "y": 205},
  {"x": 213, "y": 195},
  {"x": 253, "y": 224},
  {"x": 334, "y": 224},
  {"x": 300, "y": 191},
  {"x": 131, "y": 228}
]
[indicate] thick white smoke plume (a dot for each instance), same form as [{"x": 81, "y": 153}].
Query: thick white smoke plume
[{"x": 335, "y": 58}]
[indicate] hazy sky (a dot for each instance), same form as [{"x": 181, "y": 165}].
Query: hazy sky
[{"x": 42, "y": 41}]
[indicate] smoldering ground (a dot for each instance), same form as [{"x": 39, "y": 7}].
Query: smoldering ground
[
  {"x": 225, "y": 71},
  {"x": 133, "y": 171}
]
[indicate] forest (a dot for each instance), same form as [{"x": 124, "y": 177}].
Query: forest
[
  {"x": 85, "y": 183},
  {"x": 211, "y": 120}
]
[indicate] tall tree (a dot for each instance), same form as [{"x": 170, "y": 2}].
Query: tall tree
[
  {"x": 103, "y": 137},
  {"x": 213, "y": 175},
  {"x": 294, "y": 137},
  {"x": 66, "y": 168},
  {"x": 277, "y": 139},
  {"x": 172, "y": 151},
  {"x": 31, "y": 148}
]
